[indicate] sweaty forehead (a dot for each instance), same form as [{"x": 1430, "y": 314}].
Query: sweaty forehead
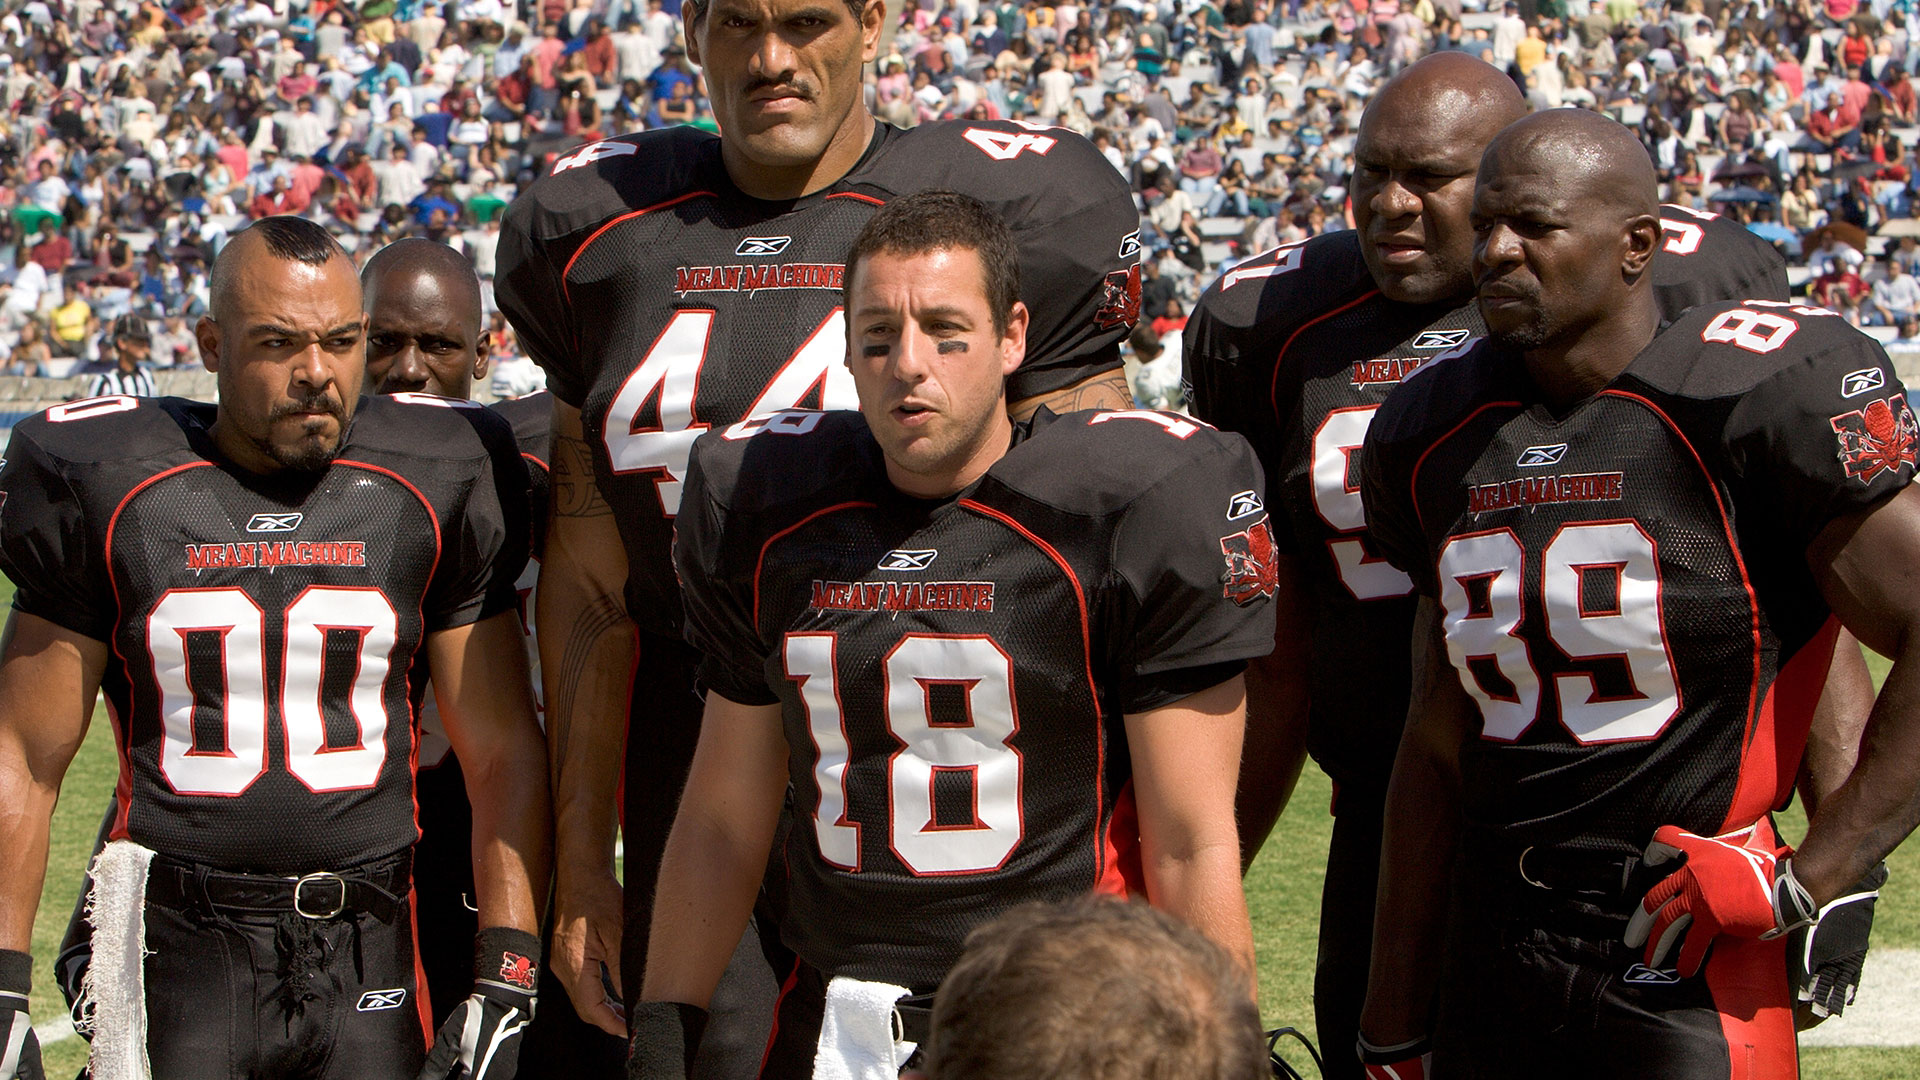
[
  {"x": 1412, "y": 131},
  {"x": 293, "y": 294}
]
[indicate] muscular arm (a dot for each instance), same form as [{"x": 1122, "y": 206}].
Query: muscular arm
[
  {"x": 1107, "y": 390},
  {"x": 1833, "y": 739},
  {"x": 1276, "y": 741},
  {"x": 48, "y": 679},
  {"x": 717, "y": 852},
  {"x": 1868, "y": 566},
  {"x": 481, "y": 683},
  {"x": 1421, "y": 834},
  {"x": 1185, "y": 758},
  {"x": 586, "y": 661}
]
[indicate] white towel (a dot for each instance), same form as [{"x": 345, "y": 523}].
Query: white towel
[
  {"x": 857, "y": 1032},
  {"x": 113, "y": 991}
]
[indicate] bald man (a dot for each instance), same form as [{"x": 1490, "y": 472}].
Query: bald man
[
  {"x": 250, "y": 585},
  {"x": 1632, "y": 549},
  {"x": 1296, "y": 349},
  {"x": 425, "y": 335}
]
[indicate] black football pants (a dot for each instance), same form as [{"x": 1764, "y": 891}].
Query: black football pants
[
  {"x": 1538, "y": 983},
  {"x": 233, "y": 996},
  {"x": 662, "y": 731}
]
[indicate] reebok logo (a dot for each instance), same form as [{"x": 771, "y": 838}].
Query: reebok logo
[
  {"x": 274, "y": 523},
  {"x": 907, "y": 560},
  {"x": 1642, "y": 975},
  {"x": 1438, "y": 339},
  {"x": 1855, "y": 383},
  {"x": 1535, "y": 456},
  {"x": 1130, "y": 244},
  {"x": 381, "y": 1000},
  {"x": 763, "y": 245},
  {"x": 1243, "y": 504}
]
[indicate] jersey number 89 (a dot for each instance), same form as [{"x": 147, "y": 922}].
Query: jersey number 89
[{"x": 1600, "y": 587}]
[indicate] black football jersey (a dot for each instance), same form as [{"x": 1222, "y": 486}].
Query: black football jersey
[
  {"x": 1296, "y": 349},
  {"x": 532, "y": 420},
  {"x": 264, "y": 631},
  {"x": 1625, "y": 589},
  {"x": 954, "y": 673},
  {"x": 663, "y": 301}
]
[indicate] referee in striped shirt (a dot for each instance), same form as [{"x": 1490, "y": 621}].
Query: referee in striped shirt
[{"x": 130, "y": 375}]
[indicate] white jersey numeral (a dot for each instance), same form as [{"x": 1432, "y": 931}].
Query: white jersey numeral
[
  {"x": 973, "y": 740},
  {"x": 1600, "y": 583},
  {"x": 1336, "y": 498},
  {"x": 670, "y": 376},
  {"x": 1007, "y": 145},
  {"x": 241, "y": 628}
]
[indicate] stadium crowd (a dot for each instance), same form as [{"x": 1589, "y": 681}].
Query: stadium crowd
[{"x": 137, "y": 137}]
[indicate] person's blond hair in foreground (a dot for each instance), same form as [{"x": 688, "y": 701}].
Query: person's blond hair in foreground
[{"x": 1094, "y": 988}]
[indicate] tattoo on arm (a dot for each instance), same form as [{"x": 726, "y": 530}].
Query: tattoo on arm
[
  {"x": 597, "y": 619},
  {"x": 1106, "y": 392},
  {"x": 573, "y": 491}
]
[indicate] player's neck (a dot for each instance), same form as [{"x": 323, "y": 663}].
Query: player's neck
[
  {"x": 947, "y": 482},
  {"x": 844, "y": 151},
  {"x": 1571, "y": 372}
]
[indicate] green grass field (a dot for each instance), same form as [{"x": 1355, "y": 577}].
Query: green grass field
[{"x": 1283, "y": 891}]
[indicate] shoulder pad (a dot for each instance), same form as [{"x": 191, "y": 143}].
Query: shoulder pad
[
  {"x": 1098, "y": 461},
  {"x": 1032, "y": 173},
  {"x": 1727, "y": 348},
  {"x": 1261, "y": 301},
  {"x": 115, "y": 427},
  {"x": 1438, "y": 396},
  {"x": 789, "y": 457},
  {"x": 601, "y": 180},
  {"x": 532, "y": 421},
  {"x": 428, "y": 426}
]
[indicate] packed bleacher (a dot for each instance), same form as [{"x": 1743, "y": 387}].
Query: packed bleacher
[{"x": 137, "y": 137}]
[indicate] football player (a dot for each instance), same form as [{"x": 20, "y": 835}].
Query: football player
[
  {"x": 1633, "y": 547},
  {"x": 671, "y": 282},
  {"x": 1296, "y": 349},
  {"x": 425, "y": 334},
  {"x": 997, "y": 662},
  {"x": 250, "y": 585}
]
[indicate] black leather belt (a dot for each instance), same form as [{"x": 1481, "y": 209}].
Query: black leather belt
[
  {"x": 914, "y": 1017},
  {"x": 377, "y": 889}
]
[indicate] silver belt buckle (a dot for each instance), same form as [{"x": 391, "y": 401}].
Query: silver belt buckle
[{"x": 323, "y": 875}]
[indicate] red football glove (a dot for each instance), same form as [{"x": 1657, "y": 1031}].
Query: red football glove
[{"x": 1735, "y": 884}]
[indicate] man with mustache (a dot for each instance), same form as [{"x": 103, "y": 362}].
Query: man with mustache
[
  {"x": 672, "y": 282},
  {"x": 1296, "y": 349},
  {"x": 1633, "y": 545},
  {"x": 994, "y": 662},
  {"x": 250, "y": 585}
]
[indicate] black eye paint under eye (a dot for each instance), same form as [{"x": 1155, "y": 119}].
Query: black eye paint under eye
[
  {"x": 952, "y": 347},
  {"x": 876, "y": 350}
]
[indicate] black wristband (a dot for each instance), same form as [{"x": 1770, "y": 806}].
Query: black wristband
[
  {"x": 16, "y": 972},
  {"x": 508, "y": 957},
  {"x": 666, "y": 1036}
]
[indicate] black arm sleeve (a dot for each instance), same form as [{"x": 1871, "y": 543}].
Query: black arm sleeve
[
  {"x": 1825, "y": 438},
  {"x": 484, "y": 548},
  {"x": 46, "y": 548},
  {"x": 1199, "y": 586},
  {"x": 718, "y": 597},
  {"x": 530, "y": 290}
]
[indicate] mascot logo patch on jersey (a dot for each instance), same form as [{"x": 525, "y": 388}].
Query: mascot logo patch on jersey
[
  {"x": 1881, "y": 437},
  {"x": 1253, "y": 566},
  {"x": 518, "y": 970},
  {"x": 1121, "y": 307}
]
